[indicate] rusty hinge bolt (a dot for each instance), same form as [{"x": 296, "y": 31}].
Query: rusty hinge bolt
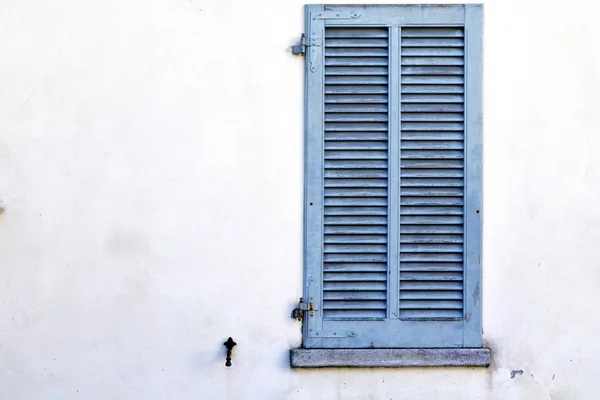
[{"x": 298, "y": 312}]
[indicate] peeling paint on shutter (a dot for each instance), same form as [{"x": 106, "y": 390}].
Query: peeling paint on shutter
[
  {"x": 432, "y": 173},
  {"x": 355, "y": 191}
]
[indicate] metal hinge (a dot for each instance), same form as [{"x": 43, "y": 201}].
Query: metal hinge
[
  {"x": 336, "y": 15},
  {"x": 300, "y": 47},
  {"x": 298, "y": 312},
  {"x": 310, "y": 307},
  {"x": 332, "y": 334}
]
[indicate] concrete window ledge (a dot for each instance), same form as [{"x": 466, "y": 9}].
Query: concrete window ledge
[{"x": 323, "y": 358}]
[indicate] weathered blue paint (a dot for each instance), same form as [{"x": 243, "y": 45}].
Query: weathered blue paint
[
  {"x": 356, "y": 175},
  {"x": 313, "y": 245},
  {"x": 393, "y": 176},
  {"x": 400, "y": 15},
  {"x": 473, "y": 172},
  {"x": 394, "y": 168}
]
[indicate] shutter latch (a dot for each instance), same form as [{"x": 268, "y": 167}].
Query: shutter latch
[{"x": 298, "y": 312}]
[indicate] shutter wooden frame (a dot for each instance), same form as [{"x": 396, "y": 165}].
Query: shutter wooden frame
[{"x": 392, "y": 332}]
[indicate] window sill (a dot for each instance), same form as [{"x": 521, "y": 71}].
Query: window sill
[{"x": 392, "y": 358}]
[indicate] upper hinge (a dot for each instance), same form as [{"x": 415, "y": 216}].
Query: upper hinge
[
  {"x": 300, "y": 47},
  {"x": 335, "y": 15}
]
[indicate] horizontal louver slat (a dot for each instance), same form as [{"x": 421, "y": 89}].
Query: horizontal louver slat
[
  {"x": 355, "y": 42},
  {"x": 432, "y": 173},
  {"x": 355, "y": 184}
]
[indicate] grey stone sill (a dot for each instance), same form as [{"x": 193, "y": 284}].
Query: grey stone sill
[{"x": 449, "y": 357}]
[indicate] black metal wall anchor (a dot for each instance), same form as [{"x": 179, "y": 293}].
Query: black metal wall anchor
[{"x": 229, "y": 344}]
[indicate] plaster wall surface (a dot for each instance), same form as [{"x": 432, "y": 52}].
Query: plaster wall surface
[{"x": 151, "y": 179}]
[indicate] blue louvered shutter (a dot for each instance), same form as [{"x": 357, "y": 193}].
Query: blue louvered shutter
[
  {"x": 432, "y": 173},
  {"x": 393, "y": 186},
  {"x": 355, "y": 173}
]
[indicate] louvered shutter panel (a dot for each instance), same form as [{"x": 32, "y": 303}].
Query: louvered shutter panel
[
  {"x": 393, "y": 184},
  {"x": 432, "y": 173},
  {"x": 355, "y": 173}
]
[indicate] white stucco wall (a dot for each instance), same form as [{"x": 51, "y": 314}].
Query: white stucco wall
[{"x": 151, "y": 171}]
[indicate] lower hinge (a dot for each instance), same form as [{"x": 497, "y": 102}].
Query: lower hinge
[
  {"x": 331, "y": 334},
  {"x": 311, "y": 307},
  {"x": 298, "y": 312}
]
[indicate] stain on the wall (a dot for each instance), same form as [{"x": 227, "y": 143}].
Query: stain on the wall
[{"x": 515, "y": 372}]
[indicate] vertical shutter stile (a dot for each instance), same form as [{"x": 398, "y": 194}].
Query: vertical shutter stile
[
  {"x": 432, "y": 173},
  {"x": 355, "y": 180}
]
